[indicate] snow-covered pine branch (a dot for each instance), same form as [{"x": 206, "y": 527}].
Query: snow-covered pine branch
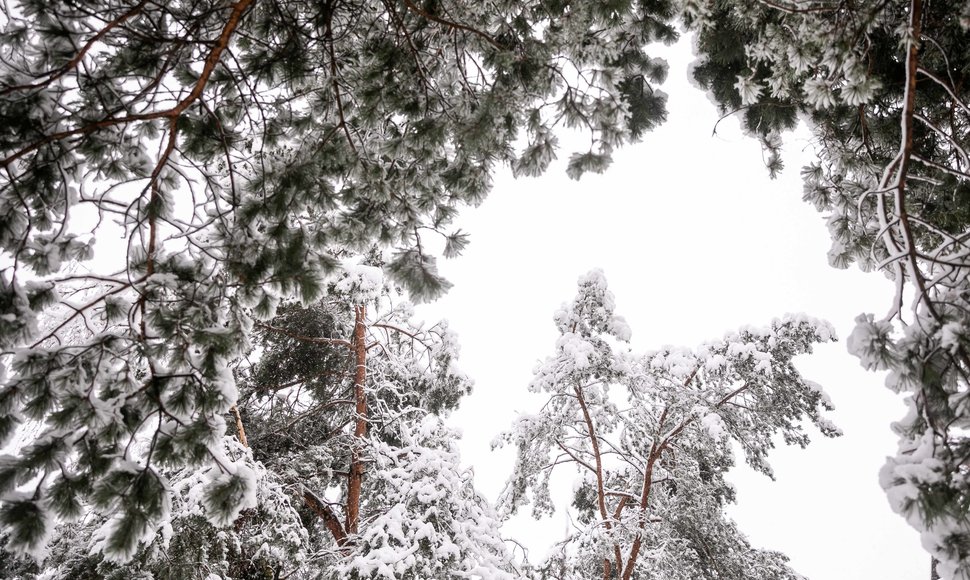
[
  {"x": 882, "y": 88},
  {"x": 349, "y": 470}
]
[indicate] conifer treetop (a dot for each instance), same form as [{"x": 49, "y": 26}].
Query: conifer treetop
[{"x": 651, "y": 438}]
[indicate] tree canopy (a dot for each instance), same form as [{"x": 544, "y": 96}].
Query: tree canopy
[
  {"x": 235, "y": 148},
  {"x": 232, "y": 146},
  {"x": 651, "y": 437},
  {"x": 882, "y": 88},
  {"x": 340, "y": 417}
]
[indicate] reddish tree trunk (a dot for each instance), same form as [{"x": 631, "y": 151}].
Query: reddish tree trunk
[{"x": 356, "y": 478}]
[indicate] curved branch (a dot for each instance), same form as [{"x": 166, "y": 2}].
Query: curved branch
[
  {"x": 330, "y": 519},
  {"x": 419, "y": 11},
  {"x": 304, "y": 338}
]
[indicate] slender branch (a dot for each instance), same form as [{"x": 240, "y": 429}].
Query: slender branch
[
  {"x": 304, "y": 338},
  {"x": 795, "y": 8},
  {"x": 235, "y": 16},
  {"x": 402, "y": 331},
  {"x": 314, "y": 410},
  {"x": 946, "y": 86},
  {"x": 418, "y": 10},
  {"x": 690, "y": 377},
  {"x": 575, "y": 458},
  {"x": 957, "y": 146},
  {"x": 336, "y": 85},
  {"x": 71, "y": 64},
  {"x": 665, "y": 442},
  {"x": 941, "y": 167},
  {"x": 79, "y": 310}
]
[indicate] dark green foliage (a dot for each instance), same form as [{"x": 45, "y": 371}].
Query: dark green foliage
[
  {"x": 295, "y": 354},
  {"x": 291, "y": 354},
  {"x": 306, "y": 350},
  {"x": 64, "y": 497},
  {"x": 226, "y": 148},
  {"x": 414, "y": 265},
  {"x": 647, "y": 108},
  {"x": 222, "y": 501},
  {"x": 260, "y": 546},
  {"x": 297, "y": 405},
  {"x": 723, "y": 59},
  {"x": 883, "y": 88},
  {"x": 27, "y": 523}
]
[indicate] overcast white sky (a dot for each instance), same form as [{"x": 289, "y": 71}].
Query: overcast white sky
[{"x": 695, "y": 240}]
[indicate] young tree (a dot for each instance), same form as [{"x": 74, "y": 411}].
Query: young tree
[
  {"x": 883, "y": 88},
  {"x": 652, "y": 437},
  {"x": 229, "y": 145}
]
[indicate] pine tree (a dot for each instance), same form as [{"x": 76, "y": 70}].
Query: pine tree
[
  {"x": 651, "y": 436},
  {"x": 358, "y": 476},
  {"x": 882, "y": 86},
  {"x": 229, "y": 146},
  {"x": 405, "y": 507}
]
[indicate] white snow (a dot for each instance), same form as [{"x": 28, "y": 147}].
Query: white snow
[
  {"x": 360, "y": 282},
  {"x": 714, "y": 426}
]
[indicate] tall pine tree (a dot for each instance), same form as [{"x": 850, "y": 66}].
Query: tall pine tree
[{"x": 651, "y": 436}]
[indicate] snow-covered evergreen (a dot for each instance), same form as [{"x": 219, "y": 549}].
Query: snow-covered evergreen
[
  {"x": 651, "y": 438},
  {"x": 343, "y": 474},
  {"x": 230, "y": 146}
]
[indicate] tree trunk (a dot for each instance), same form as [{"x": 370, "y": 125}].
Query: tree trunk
[
  {"x": 240, "y": 429},
  {"x": 600, "y": 486},
  {"x": 631, "y": 560},
  {"x": 934, "y": 575},
  {"x": 356, "y": 478}
]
